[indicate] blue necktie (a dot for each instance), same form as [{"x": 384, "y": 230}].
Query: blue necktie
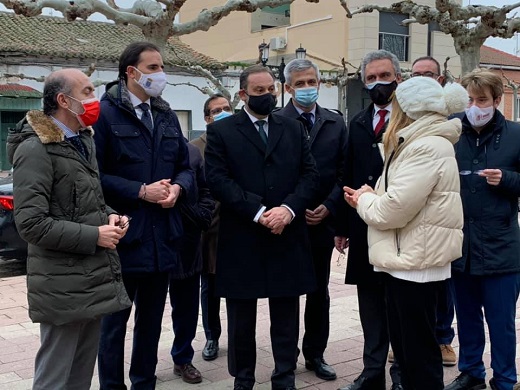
[
  {"x": 76, "y": 142},
  {"x": 261, "y": 130},
  {"x": 146, "y": 118}
]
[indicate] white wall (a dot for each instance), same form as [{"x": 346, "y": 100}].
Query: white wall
[{"x": 180, "y": 97}]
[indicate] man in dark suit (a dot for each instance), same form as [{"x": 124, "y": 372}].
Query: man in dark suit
[
  {"x": 380, "y": 71},
  {"x": 327, "y": 135},
  {"x": 215, "y": 108},
  {"x": 260, "y": 168}
]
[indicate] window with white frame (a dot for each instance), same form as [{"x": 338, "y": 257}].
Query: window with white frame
[{"x": 393, "y": 35}]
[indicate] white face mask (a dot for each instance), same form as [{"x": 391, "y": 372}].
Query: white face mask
[
  {"x": 479, "y": 117},
  {"x": 152, "y": 83}
]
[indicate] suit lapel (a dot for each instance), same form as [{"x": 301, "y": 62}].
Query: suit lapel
[
  {"x": 248, "y": 129},
  {"x": 275, "y": 133}
]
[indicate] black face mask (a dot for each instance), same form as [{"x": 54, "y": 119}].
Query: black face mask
[
  {"x": 263, "y": 104},
  {"x": 381, "y": 94}
]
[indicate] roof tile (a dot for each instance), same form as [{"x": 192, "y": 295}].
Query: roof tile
[
  {"x": 491, "y": 56},
  {"x": 56, "y": 37}
]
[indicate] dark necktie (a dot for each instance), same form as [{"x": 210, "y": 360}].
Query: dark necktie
[
  {"x": 381, "y": 123},
  {"x": 308, "y": 120},
  {"x": 146, "y": 118},
  {"x": 76, "y": 142},
  {"x": 261, "y": 130}
]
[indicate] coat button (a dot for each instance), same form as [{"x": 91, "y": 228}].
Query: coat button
[
  {"x": 471, "y": 220},
  {"x": 374, "y": 145},
  {"x": 371, "y": 178},
  {"x": 271, "y": 187},
  {"x": 475, "y": 161},
  {"x": 473, "y": 190}
]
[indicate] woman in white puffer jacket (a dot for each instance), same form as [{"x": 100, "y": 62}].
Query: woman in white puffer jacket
[{"x": 415, "y": 220}]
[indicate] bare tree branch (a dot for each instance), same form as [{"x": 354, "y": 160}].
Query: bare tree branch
[
  {"x": 469, "y": 26},
  {"x": 204, "y": 90},
  {"x": 21, "y": 76}
]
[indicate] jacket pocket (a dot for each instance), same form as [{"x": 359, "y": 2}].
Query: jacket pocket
[
  {"x": 170, "y": 144},
  {"x": 129, "y": 144}
]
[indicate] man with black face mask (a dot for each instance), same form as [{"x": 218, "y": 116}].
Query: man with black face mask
[
  {"x": 260, "y": 168},
  {"x": 380, "y": 71}
]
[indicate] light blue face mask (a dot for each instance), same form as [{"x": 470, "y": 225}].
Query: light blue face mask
[
  {"x": 221, "y": 115},
  {"x": 306, "y": 97}
]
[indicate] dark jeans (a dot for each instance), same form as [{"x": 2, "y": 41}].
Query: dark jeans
[
  {"x": 148, "y": 293},
  {"x": 495, "y": 297},
  {"x": 444, "y": 331},
  {"x": 411, "y": 323},
  {"x": 210, "y": 305},
  {"x": 184, "y": 299}
]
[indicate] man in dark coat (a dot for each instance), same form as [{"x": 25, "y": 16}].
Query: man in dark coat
[
  {"x": 327, "y": 135},
  {"x": 216, "y": 107},
  {"x": 487, "y": 276},
  {"x": 144, "y": 165},
  {"x": 380, "y": 71},
  {"x": 73, "y": 271},
  {"x": 260, "y": 168},
  {"x": 184, "y": 288}
]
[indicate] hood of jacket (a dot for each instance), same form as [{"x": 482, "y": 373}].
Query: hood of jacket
[
  {"x": 430, "y": 125},
  {"x": 36, "y": 124}
]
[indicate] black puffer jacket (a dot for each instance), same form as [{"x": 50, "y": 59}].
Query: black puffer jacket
[{"x": 58, "y": 208}]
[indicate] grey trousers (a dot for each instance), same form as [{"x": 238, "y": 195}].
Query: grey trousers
[{"x": 67, "y": 355}]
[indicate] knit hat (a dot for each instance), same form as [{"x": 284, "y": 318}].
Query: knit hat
[{"x": 419, "y": 96}]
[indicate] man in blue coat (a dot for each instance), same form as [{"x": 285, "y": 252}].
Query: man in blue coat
[
  {"x": 327, "y": 135},
  {"x": 144, "y": 164},
  {"x": 487, "y": 276}
]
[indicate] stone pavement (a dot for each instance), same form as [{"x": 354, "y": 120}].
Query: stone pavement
[{"x": 19, "y": 343}]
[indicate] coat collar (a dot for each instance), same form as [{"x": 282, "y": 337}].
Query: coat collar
[{"x": 47, "y": 130}]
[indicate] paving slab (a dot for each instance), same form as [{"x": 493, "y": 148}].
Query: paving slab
[{"x": 19, "y": 343}]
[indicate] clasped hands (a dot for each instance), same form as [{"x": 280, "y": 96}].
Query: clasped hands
[
  {"x": 276, "y": 219},
  {"x": 352, "y": 196},
  {"x": 163, "y": 192}
]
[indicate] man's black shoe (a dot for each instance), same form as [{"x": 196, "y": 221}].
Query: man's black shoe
[
  {"x": 321, "y": 369},
  {"x": 210, "y": 351},
  {"x": 364, "y": 383},
  {"x": 492, "y": 384},
  {"x": 397, "y": 386},
  {"x": 466, "y": 382}
]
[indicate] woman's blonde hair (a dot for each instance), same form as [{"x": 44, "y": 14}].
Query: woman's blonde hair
[{"x": 398, "y": 120}]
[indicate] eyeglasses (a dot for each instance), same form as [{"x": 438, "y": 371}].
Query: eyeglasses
[
  {"x": 217, "y": 111},
  {"x": 467, "y": 173},
  {"x": 425, "y": 74}
]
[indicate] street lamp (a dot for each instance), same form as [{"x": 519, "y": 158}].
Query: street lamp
[
  {"x": 301, "y": 53},
  {"x": 263, "y": 49}
]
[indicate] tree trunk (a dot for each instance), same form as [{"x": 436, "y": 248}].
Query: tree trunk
[{"x": 468, "y": 49}]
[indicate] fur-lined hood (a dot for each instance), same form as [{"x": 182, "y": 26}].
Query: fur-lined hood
[{"x": 36, "y": 123}]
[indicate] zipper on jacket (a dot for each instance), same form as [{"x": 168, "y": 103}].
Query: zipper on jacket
[
  {"x": 398, "y": 242},
  {"x": 478, "y": 141}
]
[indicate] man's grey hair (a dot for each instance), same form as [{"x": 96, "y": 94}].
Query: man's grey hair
[
  {"x": 380, "y": 55},
  {"x": 298, "y": 65},
  {"x": 54, "y": 84}
]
